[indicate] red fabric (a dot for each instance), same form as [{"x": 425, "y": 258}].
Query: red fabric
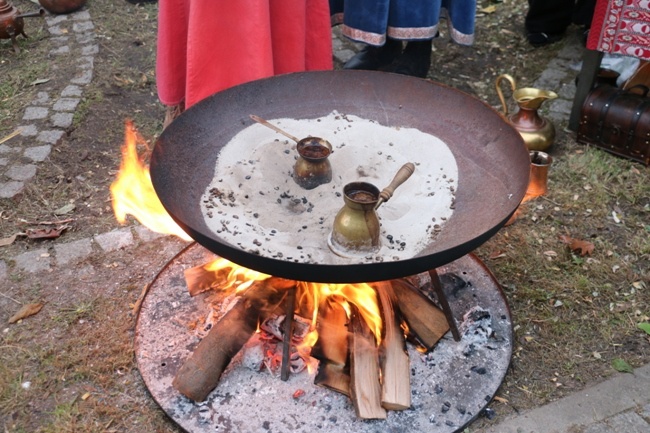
[
  {"x": 621, "y": 27},
  {"x": 205, "y": 46}
]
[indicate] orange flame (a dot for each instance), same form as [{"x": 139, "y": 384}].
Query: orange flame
[{"x": 133, "y": 194}]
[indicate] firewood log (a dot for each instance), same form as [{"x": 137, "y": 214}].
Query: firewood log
[
  {"x": 365, "y": 389},
  {"x": 200, "y": 373},
  {"x": 426, "y": 322},
  {"x": 394, "y": 359},
  {"x": 331, "y": 349}
]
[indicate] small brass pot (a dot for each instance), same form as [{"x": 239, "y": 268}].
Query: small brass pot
[
  {"x": 356, "y": 226},
  {"x": 312, "y": 168}
]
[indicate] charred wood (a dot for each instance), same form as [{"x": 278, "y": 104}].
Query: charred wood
[{"x": 200, "y": 373}]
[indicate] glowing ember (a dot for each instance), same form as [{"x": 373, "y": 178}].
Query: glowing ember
[{"x": 133, "y": 194}]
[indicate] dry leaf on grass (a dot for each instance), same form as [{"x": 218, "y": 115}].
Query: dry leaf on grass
[
  {"x": 48, "y": 233},
  {"x": 26, "y": 311},
  {"x": 8, "y": 241},
  {"x": 583, "y": 247}
]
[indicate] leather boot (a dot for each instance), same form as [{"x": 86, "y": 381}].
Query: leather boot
[
  {"x": 415, "y": 59},
  {"x": 371, "y": 58}
]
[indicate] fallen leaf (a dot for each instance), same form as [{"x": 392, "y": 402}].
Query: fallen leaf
[
  {"x": 26, "y": 311},
  {"x": 645, "y": 327},
  {"x": 500, "y": 399},
  {"x": 576, "y": 244},
  {"x": 622, "y": 366},
  {"x": 488, "y": 10},
  {"x": 497, "y": 255},
  {"x": 65, "y": 209},
  {"x": 550, "y": 253},
  {"x": 7, "y": 241},
  {"x": 40, "y": 81},
  {"x": 49, "y": 233}
]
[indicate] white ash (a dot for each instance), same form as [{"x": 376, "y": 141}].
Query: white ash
[{"x": 254, "y": 203}]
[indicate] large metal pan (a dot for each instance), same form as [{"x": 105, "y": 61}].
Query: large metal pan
[{"x": 493, "y": 162}]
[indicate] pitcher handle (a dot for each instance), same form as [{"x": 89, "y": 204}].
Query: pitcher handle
[{"x": 497, "y": 84}]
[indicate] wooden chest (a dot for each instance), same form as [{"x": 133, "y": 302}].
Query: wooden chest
[{"x": 617, "y": 121}]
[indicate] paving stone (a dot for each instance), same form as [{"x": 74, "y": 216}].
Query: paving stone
[
  {"x": 38, "y": 153},
  {"x": 645, "y": 412},
  {"x": 550, "y": 79},
  {"x": 84, "y": 77},
  {"x": 41, "y": 98},
  {"x": 66, "y": 104},
  {"x": 567, "y": 91},
  {"x": 4, "y": 149},
  {"x": 10, "y": 189},
  {"x": 81, "y": 16},
  {"x": 344, "y": 55},
  {"x": 89, "y": 50},
  {"x": 600, "y": 427},
  {"x": 147, "y": 235},
  {"x": 85, "y": 38},
  {"x": 115, "y": 239},
  {"x": 56, "y": 19},
  {"x": 82, "y": 26},
  {"x": 61, "y": 40},
  {"x": 628, "y": 422},
  {"x": 62, "y": 120},
  {"x": 60, "y": 51},
  {"x": 21, "y": 172},
  {"x": 57, "y": 30},
  {"x": 71, "y": 90},
  {"x": 34, "y": 113},
  {"x": 86, "y": 62},
  {"x": 51, "y": 136},
  {"x": 73, "y": 251},
  {"x": 28, "y": 130},
  {"x": 34, "y": 261}
]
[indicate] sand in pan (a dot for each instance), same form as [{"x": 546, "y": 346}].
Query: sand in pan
[{"x": 254, "y": 203}]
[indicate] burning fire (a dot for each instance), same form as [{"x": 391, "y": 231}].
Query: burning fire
[
  {"x": 132, "y": 191},
  {"x": 133, "y": 194}
]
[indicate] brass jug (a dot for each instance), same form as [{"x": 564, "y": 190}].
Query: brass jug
[
  {"x": 538, "y": 133},
  {"x": 356, "y": 226}
]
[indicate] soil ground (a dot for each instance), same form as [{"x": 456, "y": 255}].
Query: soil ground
[{"x": 574, "y": 314}]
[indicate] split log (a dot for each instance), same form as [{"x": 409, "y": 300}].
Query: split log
[
  {"x": 331, "y": 349},
  {"x": 427, "y": 323},
  {"x": 394, "y": 359},
  {"x": 288, "y": 333},
  {"x": 200, "y": 373},
  {"x": 365, "y": 389}
]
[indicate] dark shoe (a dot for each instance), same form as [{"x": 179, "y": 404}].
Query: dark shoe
[
  {"x": 540, "y": 39},
  {"x": 371, "y": 58},
  {"x": 415, "y": 60}
]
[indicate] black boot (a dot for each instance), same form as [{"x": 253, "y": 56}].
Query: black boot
[
  {"x": 372, "y": 58},
  {"x": 415, "y": 60}
]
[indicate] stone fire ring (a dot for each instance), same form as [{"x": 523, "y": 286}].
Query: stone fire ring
[{"x": 451, "y": 386}]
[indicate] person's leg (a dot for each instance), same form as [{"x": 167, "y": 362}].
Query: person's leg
[
  {"x": 547, "y": 20},
  {"x": 366, "y": 21}
]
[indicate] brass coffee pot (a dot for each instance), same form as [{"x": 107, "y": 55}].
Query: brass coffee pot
[
  {"x": 538, "y": 132},
  {"x": 356, "y": 226}
]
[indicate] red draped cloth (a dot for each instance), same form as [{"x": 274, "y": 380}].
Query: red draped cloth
[
  {"x": 205, "y": 46},
  {"x": 621, "y": 27}
]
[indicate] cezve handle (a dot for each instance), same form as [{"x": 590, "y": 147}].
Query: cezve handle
[{"x": 402, "y": 175}]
